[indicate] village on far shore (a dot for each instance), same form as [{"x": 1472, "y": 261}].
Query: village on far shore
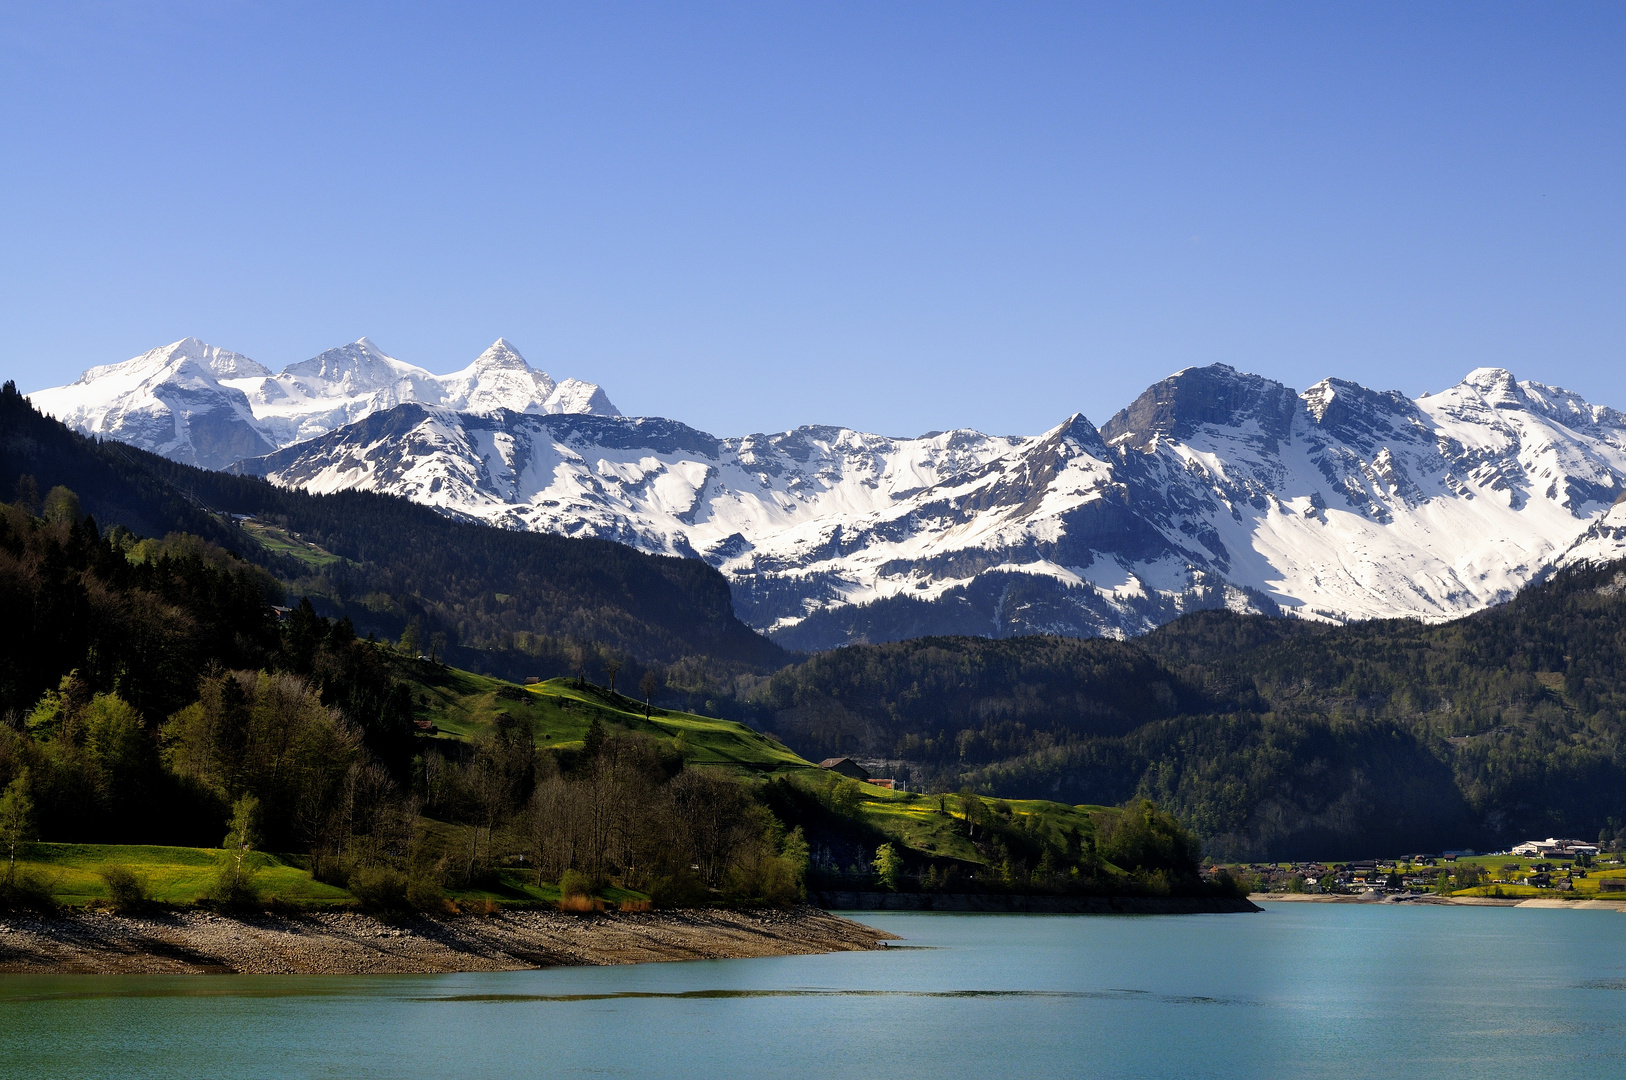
[{"x": 1554, "y": 868}]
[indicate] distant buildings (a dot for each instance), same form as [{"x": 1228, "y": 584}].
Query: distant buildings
[{"x": 1552, "y": 847}]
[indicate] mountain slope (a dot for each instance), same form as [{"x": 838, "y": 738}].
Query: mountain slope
[
  {"x": 1213, "y": 489},
  {"x": 508, "y": 602},
  {"x": 205, "y": 406}
]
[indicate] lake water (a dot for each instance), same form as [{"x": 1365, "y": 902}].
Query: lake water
[{"x": 1303, "y": 990}]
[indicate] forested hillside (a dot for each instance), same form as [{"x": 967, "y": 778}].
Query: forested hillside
[
  {"x": 1272, "y": 737},
  {"x": 510, "y": 603}
]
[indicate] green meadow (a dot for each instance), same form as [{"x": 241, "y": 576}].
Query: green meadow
[
  {"x": 461, "y": 704},
  {"x": 172, "y": 875}
]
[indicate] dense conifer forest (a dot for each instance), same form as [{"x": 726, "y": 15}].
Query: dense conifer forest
[{"x": 1273, "y": 737}]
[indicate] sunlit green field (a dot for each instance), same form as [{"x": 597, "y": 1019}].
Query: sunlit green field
[
  {"x": 279, "y": 542},
  {"x": 462, "y": 704},
  {"x": 173, "y": 875},
  {"x": 930, "y": 823}
]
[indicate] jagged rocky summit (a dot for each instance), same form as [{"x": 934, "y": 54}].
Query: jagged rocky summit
[
  {"x": 1214, "y": 488},
  {"x": 206, "y": 406}
]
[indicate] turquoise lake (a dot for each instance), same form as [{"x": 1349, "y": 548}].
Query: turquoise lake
[{"x": 1303, "y": 990}]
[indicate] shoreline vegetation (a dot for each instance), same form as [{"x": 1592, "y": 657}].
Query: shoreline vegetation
[{"x": 196, "y": 941}]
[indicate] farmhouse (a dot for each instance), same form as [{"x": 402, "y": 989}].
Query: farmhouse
[{"x": 846, "y": 766}]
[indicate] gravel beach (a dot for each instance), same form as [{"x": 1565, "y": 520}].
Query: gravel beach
[{"x": 93, "y": 942}]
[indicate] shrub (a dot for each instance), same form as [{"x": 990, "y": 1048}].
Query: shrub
[
  {"x": 126, "y": 890},
  {"x": 1224, "y": 884},
  {"x": 379, "y": 888},
  {"x": 425, "y": 893},
  {"x": 680, "y": 890},
  {"x": 781, "y": 883},
  {"x": 575, "y": 883},
  {"x": 233, "y": 886}
]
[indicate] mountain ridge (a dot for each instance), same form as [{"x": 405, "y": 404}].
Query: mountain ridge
[
  {"x": 1214, "y": 488},
  {"x": 207, "y": 406}
]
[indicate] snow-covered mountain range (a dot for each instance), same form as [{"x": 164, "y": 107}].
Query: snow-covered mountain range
[
  {"x": 206, "y": 406},
  {"x": 1213, "y": 488}
]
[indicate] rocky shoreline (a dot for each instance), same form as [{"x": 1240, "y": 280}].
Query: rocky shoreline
[{"x": 198, "y": 942}]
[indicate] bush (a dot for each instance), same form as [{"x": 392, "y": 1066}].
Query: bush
[
  {"x": 233, "y": 886},
  {"x": 680, "y": 890},
  {"x": 126, "y": 890},
  {"x": 379, "y": 888},
  {"x": 1224, "y": 884},
  {"x": 782, "y": 883},
  {"x": 425, "y": 893},
  {"x": 580, "y": 904},
  {"x": 574, "y": 883}
]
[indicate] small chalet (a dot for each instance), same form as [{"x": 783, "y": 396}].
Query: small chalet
[{"x": 846, "y": 766}]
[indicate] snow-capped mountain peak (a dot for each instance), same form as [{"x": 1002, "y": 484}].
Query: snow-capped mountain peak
[
  {"x": 500, "y": 354},
  {"x": 499, "y": 378},
  {"x": 575, "y": 396},
  {"x": 208, "y": 406}
]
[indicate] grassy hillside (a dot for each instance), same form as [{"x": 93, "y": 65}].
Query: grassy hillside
[
  {"x": 462, "y": 705},
  {"x": 925, "y": 828},
  {"x": 181, "y": 876}
]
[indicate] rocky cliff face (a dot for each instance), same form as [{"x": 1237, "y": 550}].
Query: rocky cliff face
[{"x": 1214, "y": 488}]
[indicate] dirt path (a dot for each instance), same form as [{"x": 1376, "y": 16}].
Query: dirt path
[{"x": 351, "y": 944}]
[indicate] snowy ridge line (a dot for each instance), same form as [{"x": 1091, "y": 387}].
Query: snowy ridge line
[
  {"x": 207, "y": 406},
  {"x": 1214, "y": 488}
]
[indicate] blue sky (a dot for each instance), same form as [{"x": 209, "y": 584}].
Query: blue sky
[{"x": 895, "y": 217}]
